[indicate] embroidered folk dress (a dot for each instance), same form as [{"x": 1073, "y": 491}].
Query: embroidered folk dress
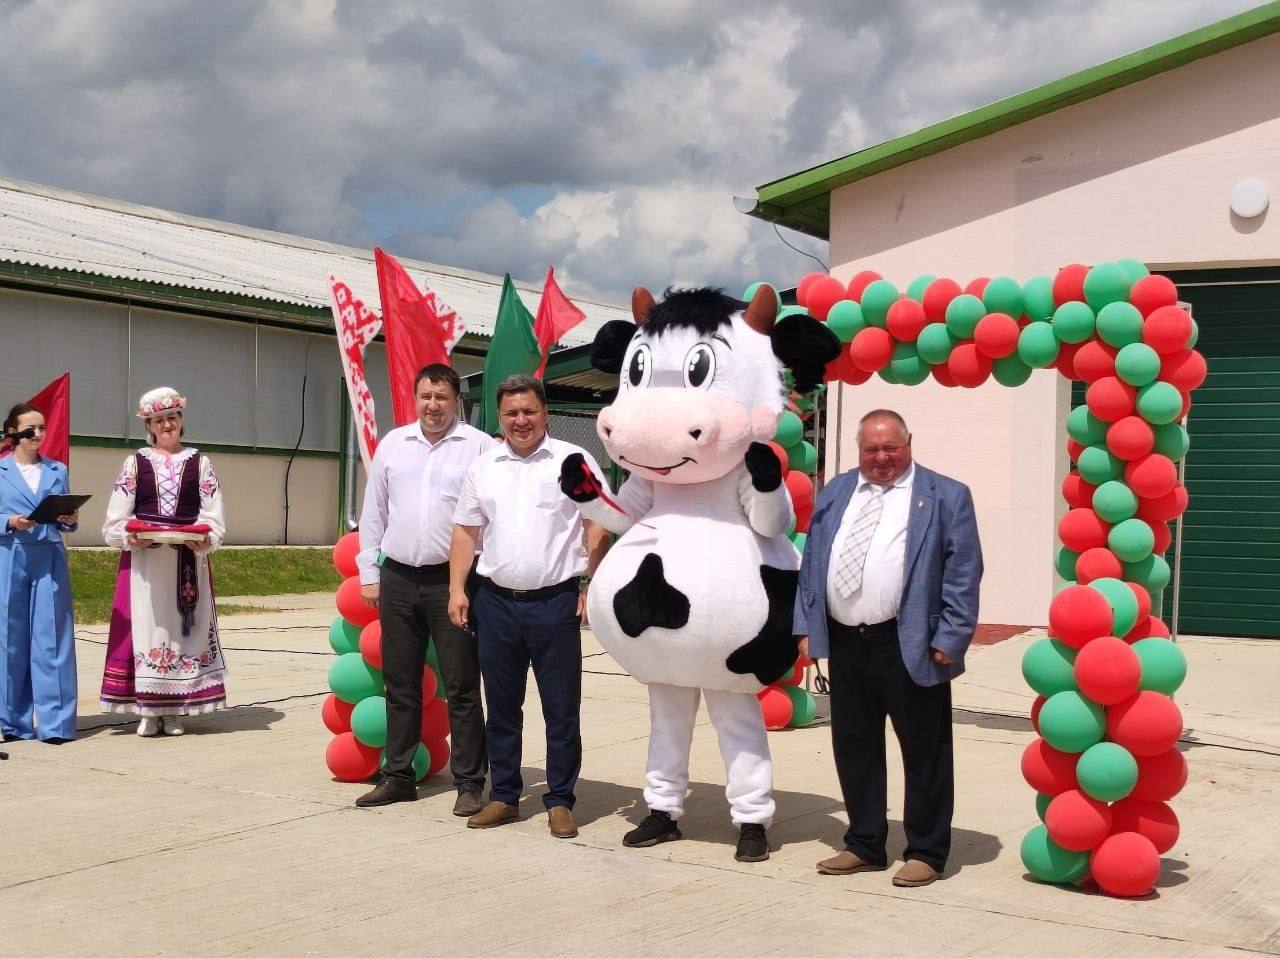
[{"x": 163, "y": 654}]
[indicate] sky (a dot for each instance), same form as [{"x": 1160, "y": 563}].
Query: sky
[{"x": 604, "y": 137}]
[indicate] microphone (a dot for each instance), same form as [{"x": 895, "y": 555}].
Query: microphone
[{"x": 16, "y": 437}]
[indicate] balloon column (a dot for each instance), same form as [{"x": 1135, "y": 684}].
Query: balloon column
[{"x": 356, "y": 710}]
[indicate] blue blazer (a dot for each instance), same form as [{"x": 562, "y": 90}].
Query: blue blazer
[
  {"x": 939, "y": 608},
  {"x": 16, "y": 498}
]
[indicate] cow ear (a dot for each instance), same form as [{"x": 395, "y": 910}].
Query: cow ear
[
  {"x": 805, "y": 346},
  {"x": 641, "y": 305},
  {"x": 610, "y": 345},
  {"x": 763, "y": 309}
]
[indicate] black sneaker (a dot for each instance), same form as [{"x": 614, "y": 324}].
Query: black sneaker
[
  {"x": 656, "y": 828},
  {"x": 753, "y": 846},
  {"x": 388, "y": 792}
]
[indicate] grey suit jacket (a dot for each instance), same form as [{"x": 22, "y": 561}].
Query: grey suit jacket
[{"x": 939, "y": 608}]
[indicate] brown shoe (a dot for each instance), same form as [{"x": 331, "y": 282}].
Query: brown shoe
[
  {"x": 468, "y": 804},
  {"x": 388, "y": 792},
  {"x": 493, "y": 815},
  {"x": 846, "y": 863},
  {"x": 916, "y": 874},
  {"x": 560, "y": 821}
]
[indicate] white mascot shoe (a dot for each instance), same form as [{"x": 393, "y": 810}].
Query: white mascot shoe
[
  {"x": 149, "y": 727},
  {"x": 173, "y": 725}
]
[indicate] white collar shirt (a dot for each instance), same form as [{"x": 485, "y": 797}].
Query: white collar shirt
[
  {"x": 532, "y": 532},
  {"x": 411, "y": 495},
  {"x": 880, "y": 595}
]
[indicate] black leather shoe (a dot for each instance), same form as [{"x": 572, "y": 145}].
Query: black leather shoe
[
  {"x": 468, "y": 804},
  {"x": 657, "y": 827},
  {"x": 388, "y": 792},
  {"x": 753, "y": 845}
]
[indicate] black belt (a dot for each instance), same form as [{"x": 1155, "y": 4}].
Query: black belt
[
  {"x": 877, "y": 630},
  {"x": 439, "y": 572},
  {"x": 531, "y": 595}
]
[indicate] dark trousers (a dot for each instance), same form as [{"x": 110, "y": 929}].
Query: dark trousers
[
  {"x": 414, "y": 608},
  {"x": 545, "y": 633},
  {"x": 868, "y": 683}
]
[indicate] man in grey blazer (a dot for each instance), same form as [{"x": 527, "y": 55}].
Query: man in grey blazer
[{"x": 888, "y": 594}]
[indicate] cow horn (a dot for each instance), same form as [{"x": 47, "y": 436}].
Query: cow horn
[
  {"x": 763, "y": 311},
  {"x": 641, "y": 305}
]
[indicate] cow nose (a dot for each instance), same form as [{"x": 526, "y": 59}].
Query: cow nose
[
  {"x": 695, "y": 433},
  {"x": 607, "y": 430}
]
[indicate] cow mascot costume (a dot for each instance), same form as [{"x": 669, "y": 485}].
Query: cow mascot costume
[{"x": 695, "y": 599}]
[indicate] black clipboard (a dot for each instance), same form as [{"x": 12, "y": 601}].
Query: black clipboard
[{"x": 54, "y": 506}]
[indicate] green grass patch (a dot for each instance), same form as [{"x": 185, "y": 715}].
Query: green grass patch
[{"x": 263, "y": 571}]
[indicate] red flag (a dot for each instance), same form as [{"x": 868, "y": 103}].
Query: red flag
[
  {"x": 413, "y": 327},
  {"x": 54, "y": 401},
  {"x": 556, "y": 316}
]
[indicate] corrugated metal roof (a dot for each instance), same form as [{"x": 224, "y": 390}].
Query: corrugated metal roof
[{"x": 61, "y": 229}]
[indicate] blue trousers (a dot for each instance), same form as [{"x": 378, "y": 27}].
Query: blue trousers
[
  {"x": 37, "y": 642},
  {"x": 544, "y": 633}
]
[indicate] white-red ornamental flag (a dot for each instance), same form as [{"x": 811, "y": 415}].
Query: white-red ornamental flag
[
  {"x": 356, "y": 325},
  {"x": 451, "y": 324}
]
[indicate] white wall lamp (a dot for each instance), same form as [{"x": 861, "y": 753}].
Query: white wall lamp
[{"x": 1249, "y": 198}]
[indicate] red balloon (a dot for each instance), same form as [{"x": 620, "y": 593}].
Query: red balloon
[
  {"x": 860, "y": 282},
  {"x": 905, "y": 319},
  {"x": 1186, "y": 406},
  {"x": 1185, "y": 369},
  {"x": 438, "y": 749},
  {"x": 1160, "y": 777},
  {"x": 1152, "y": 292},
  {"x": 1152, "y": 476},
  {"x": 856, "y": 376},
  {"x": 1068, "y": 285},
  {"x": 942, "y": 374},
  {"x": 1097, "y": 563},
  {"x": 336, "y": 714},
  {"x": 1075, "y": 450},
  {"x": 1047, "y": 770},
  {"x": 775, "y": 706},
  {"x": 1066, "y": 361},
  {"x": 968, "y": 367},
  {"x": 430, "y": 685},
  {"x": 822, "y": 295},
  {"x": 350, "y": 604},
  {"x": 996, "y": 335},
  {"x": 1154, "y": 821},
  {"x": 1157, "y": 628},
  {"x": 1130, "y": 438},
  {"x": 804, "y": 516},
  {"x": 800, "y": 487},
  {"x": 795, "y": 676},
  {"x": 937, "y": 297},
  {"x": 1083, "y": 529},
  {"x": 781, "y": 454},
  {"x": 1077, "y": 822},
  {"x": 435, "y": 719},
  {"x": 802, "y": 288},
  {"x": 1167, "y": 330},
  {"x": 348, "y": 760},
  {"x": 1093, "y": 360},
  {"x": 1144, "y": 600},
  {"x": 344, "y": 555},
  {"x": 871, "y": 348},
  {"x": 1078, "y": 615},
  {"x": 1146, "y": 724},
  {"x": 1077, "y": 492},
  {"x": 1110, "y": 399},
  {"x": 1107, "y": 671},
  {"x": 1164, "y": 508},
  {"x": 1036, "y": 706},
  {"x": 1126, "y": 865},
  {"x": 1146, "y": 628},
  {"x": 371, "y": 643},
  {"x": 976, "y": 287},
  {"x": 1163, "y": 537}
]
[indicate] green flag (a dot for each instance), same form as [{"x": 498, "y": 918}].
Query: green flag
[{"x": 514, "y": 349}]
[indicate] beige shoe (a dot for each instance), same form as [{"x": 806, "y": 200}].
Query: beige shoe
[
  {"x": 916, "y": 874},
  {"x": 846, "y": 863},
  {"x": 560, "y": 821},
  {"x": 493, "y": 815}
]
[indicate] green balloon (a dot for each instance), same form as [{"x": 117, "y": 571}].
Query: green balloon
[
  {"x": 1037, "y": 298},
  {"x": 1048, "y": 666},
  {"x": 1065, "y": 563},
  {"x": 1073, "y": 322},
  {"x": 352, "y": 679},
  {"x": 802, "y": 457},
  {"x": 1107, "y": 772},
  {"x": 343, "y": 636},
  {"x": 1004, "y": 295},
  {"x": 1131, "y": 540},
  {"x": 792, "y": 311},
  {"x": 1195, "y": 335},
  {"x": 1071, "y": 723},
  {"x": 1010, "y": 371},
  {"x": 1152, "y": 573},
  {"x": 1048, "y": 861},
  {"x": 935, "y": 343},
  {"x": 1097, "y": 465},
  {"x": 803, "y": 707},
  {"x": 963, "y": 314},
  {"x": 845, "y": 320},
  {"x": 876, "y": 300},
  {"x": 1124, "y": 604},
  {"x": 1113, "y": 501},
  {"x": 1086, "y": 428},
  {"x": 749, "y": 293},
  {"x": 432, "y": 660},
  {"x": 1138, "y": 364},
  {"x": 1042, "y": 804},
  {"x": 798, "y": 539},
  {"x": 1133, "y": 270},
  {"x": 790, "y": 430},
  {"x": 1105, "y": 283},
  {"x": 1172, "y": 440},
  {"x": 908, "y": 368},
  {"x": 1120, "y": 324},
  {"x": 440, "y": 691},
  {"x": 1038, "y": 346},
  {"x": 369, "y": 721},
  {"x": 915, "y": 290},
  {"x": 421, "y": 762},
  {"x": 1163, "y": 665},
  {"x": 1159, "y": 403},
  {"x": 888, "y": 375}
]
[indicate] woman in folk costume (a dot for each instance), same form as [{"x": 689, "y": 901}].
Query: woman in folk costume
[
  {"x": 164, "y": 659},
  {"x": 37, "y": 637}
]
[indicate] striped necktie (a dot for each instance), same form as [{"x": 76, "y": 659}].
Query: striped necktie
[{"x": 853, "y": 555}]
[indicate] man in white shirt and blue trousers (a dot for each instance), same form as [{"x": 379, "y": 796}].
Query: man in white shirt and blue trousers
[
  {"x": 529, "y": 605},
  {"x": 888, "y": 593},
  {"x": 412, "y": 492}
]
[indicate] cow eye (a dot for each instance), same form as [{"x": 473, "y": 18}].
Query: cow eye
[
  {"x": 699, "y": 367},
  {"x": 640, "y": 367}
]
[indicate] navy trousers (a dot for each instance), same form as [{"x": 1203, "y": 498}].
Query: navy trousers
[{"x": 545, "y": 633}]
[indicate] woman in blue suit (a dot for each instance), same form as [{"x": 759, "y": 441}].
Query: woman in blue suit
[{"x": 37, "y": 636}]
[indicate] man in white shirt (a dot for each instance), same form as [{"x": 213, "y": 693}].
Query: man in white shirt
[
  {"x": 409, "y": 502},
  {"x": 536, "y": 549}
]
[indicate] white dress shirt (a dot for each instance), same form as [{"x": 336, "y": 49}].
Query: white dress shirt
[
  {"x": 30, "y": 473},
  {"x": 880, "y": 595},
  {"x": 532, "y": 532},
  {"x": 411, "y": 495}
]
